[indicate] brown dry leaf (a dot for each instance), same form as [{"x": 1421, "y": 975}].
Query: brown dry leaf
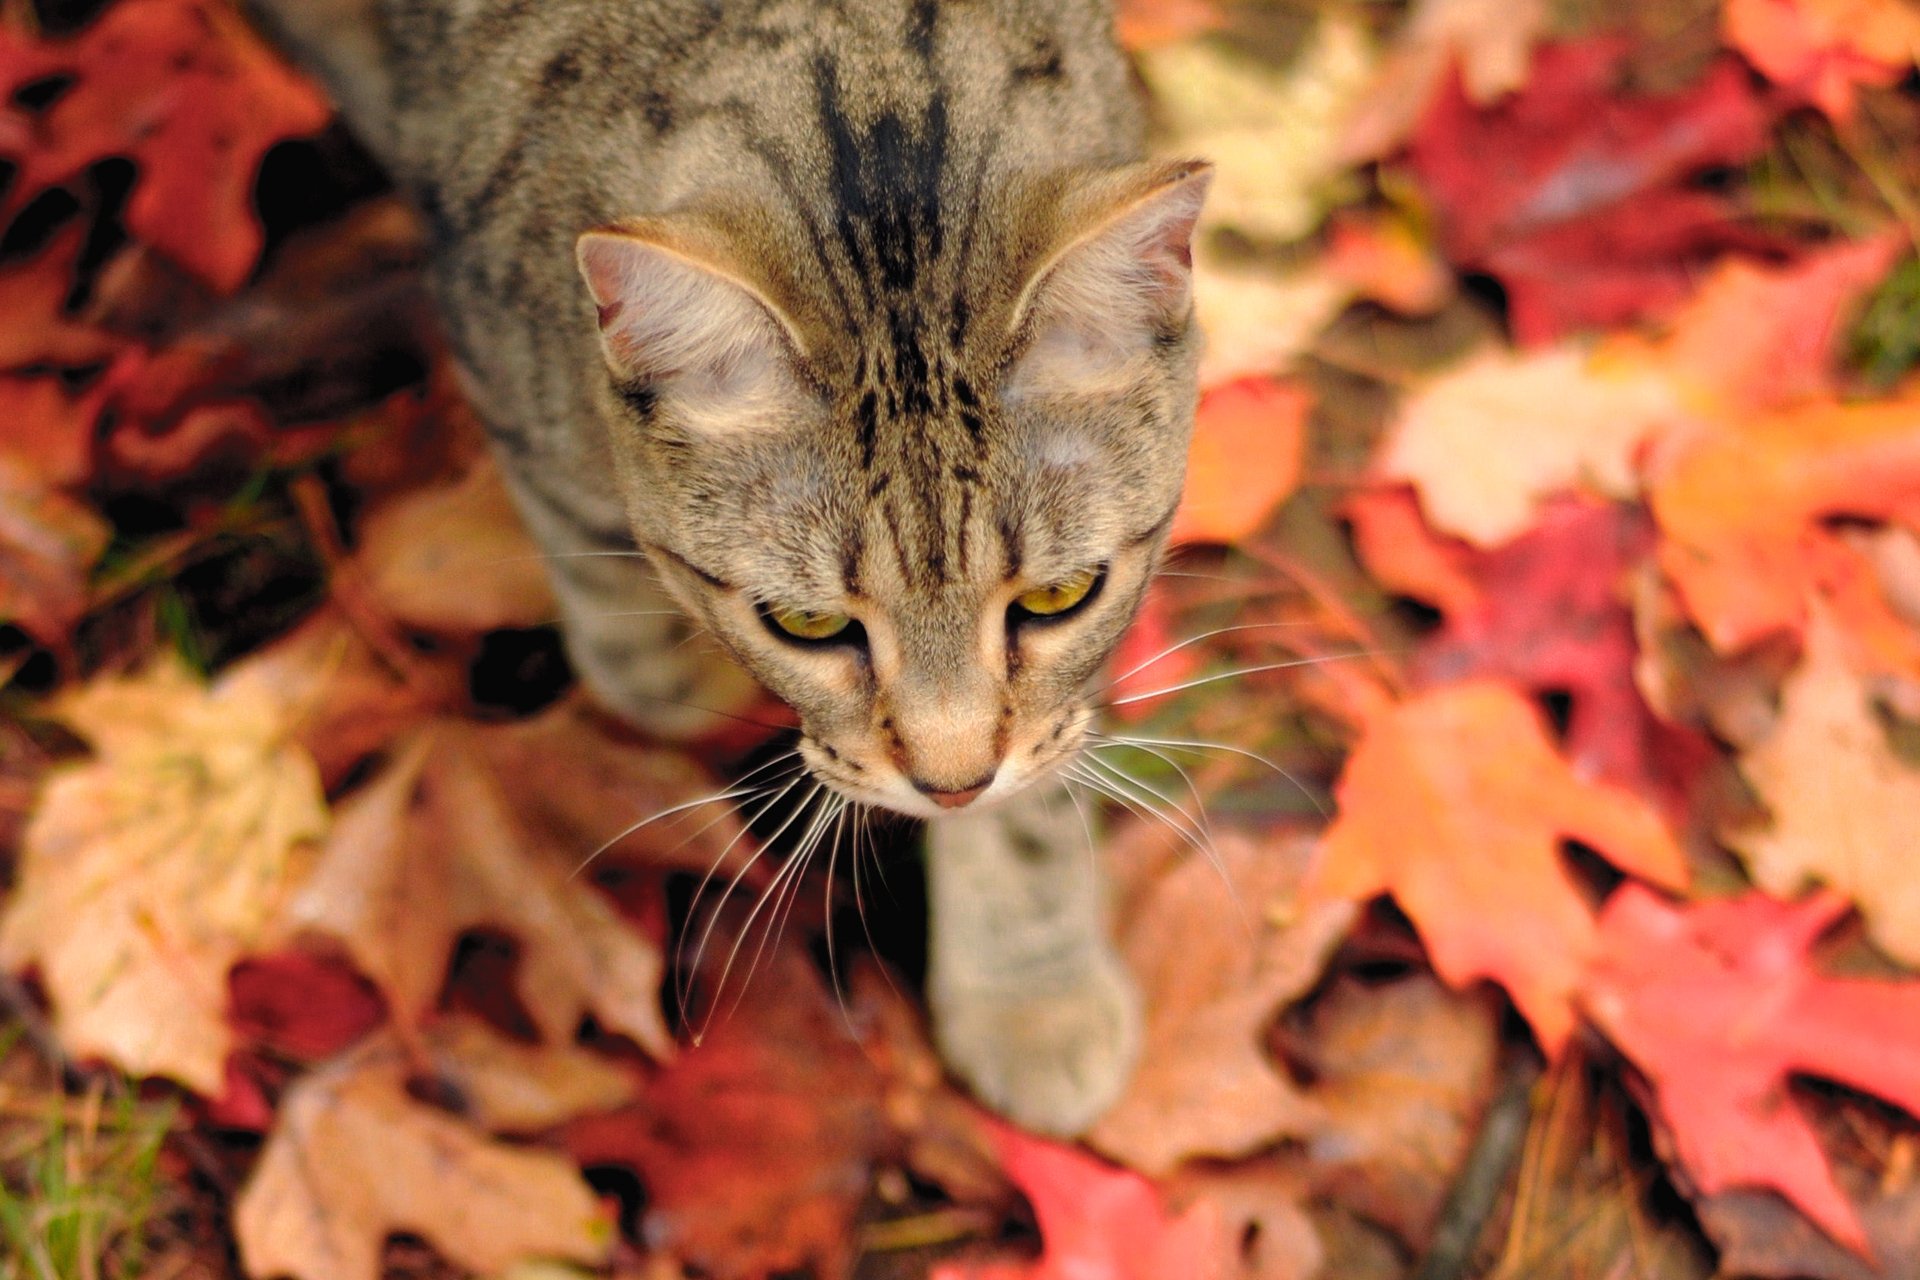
[
  {"x": 355, "y": 1157},
  {"x": 456, "y": 558},
  {"x": 507, "y": 1086},
  {"x": 1843, "y": 804},
  {"x": 48, "y": 543},
  {"x": 48, "y": 430},
  {"x": 148, "y": 870},
  {"x": 1489, "y": 43},
  {"x": 1402, "y": 1073},
  {"x": 1255, "y": 1209},
  {"x": 483, "y": 827},
  {"x": 1216, "y": 965},
  {"x": 1485, "y": 443}
]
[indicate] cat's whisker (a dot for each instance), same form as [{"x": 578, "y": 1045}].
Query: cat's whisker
[
  {"x": 712, "y": 711},
  {"x": 1198, "y": 745},
  {"x": 732, "y": 792},
  {"x": 848, "y": 808},
  {"x": 690, "y": 971},
  {"x": 1086, "y": 825},
  {"x": 1218, "y": 676},
  {"x": 1199, "y": 801},
  {"x": 1190, "y": 834},
  {"x": 1190, "y": 641},
  {"x": 1198, "y": 833}
]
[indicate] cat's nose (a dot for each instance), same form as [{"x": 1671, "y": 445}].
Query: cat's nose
[{"x": 952, "y": 799}]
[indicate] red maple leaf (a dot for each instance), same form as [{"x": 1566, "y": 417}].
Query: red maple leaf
[
  {"x": 187, "y": 92},
  {"x": 1585, "y": 203},
  {"x": 1719, "y": 1005}
]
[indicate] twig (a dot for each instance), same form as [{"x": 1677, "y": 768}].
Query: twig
[{"x": 1477, "y": 1190}]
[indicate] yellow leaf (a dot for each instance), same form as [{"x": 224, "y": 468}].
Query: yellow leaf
[{"x": 148, "y": 870}]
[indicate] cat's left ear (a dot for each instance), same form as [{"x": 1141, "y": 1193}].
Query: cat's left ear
[
  {"x": 1123, "y": 274},
  {"x": 677, "y": 317}
]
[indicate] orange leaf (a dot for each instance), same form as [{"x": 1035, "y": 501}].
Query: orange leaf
[
  {"x": 1455, "y": 803},
  {"x": 1247, "y": 440},
  {"x": 1736, "y": 508},
  {"x": 1825, "y": 49},
  {"x": 1406, "y": 556}
]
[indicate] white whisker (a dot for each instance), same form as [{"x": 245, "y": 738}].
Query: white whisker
[{"x": 1234, "y": 675}]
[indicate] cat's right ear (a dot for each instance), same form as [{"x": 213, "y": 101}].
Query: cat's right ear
[{"x": 686, "y": 327}]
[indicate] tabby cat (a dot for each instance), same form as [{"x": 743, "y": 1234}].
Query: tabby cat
[{"x": 867, "y": 323}]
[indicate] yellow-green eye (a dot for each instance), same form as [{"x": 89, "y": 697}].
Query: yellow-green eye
[
  {"x": 802, "y": 625},
  {"x": 1058, "y": 597}
]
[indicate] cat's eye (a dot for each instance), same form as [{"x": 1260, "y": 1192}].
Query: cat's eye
[
  {"x": 808, "y": 627},
  {"x": 1057, "y": 599}
]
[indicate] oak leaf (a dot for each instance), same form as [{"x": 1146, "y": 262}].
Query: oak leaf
[
  {"x": 1842, "y": 803},
  {"x": 355, "y": 1157},
  {"x": 1219, "y": 946},
  {"x": 184, "y": 89},
  {"x": 1455, "y": 803},
  {"x": 1825, "y": 50},
  {"x": 1719, "y": 1004},
  {"x": 150, "y": 869},
  {"x": 1098, "y": 1221},
  {"x": 1245, "y": 459},
  {"x": 1487, "y": 441},
  {"x": 473, "y": 827},
  {"x": 1735, "y": 506}
]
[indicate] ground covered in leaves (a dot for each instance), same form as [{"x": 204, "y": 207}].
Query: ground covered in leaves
[{"x": 1554, "y": 537}]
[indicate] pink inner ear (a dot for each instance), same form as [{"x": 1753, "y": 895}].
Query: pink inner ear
[{"x": 606, "y": 263}]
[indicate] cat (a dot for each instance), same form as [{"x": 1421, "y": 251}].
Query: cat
[{"x": 866, "y": 323}]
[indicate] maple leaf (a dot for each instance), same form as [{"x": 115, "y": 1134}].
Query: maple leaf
[
  {"x": 355, "y": 1157},
  {"x": 1735, "y": 506},
  {"x": 1245, "y": 459},
  {"x": 756, "y": 1147},
  {"x": 1491, "y": 43},
  {"x": 1216, "y": 965},
  {"x": 1842, "y": 802},
  {"x": 1454, "y": 802},
  {"x": 1487, "y": 441},
  {"x": 1098, "y": 1221},
  {"x": 48, "y": 544},
  {"x": 185, "y": 90},
  {"x": 1578, "y": 199},
  {"x": 148, "y": 870},
  {"x": 474, "y": 827},
  {"x": 1404, "y": 554},
  {"x": 456, "y": 558},
  {"x": 1719, "y": 1004},
  {"x": 1824, "y": 50}
]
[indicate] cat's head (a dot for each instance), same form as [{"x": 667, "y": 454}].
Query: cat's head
[{"x": 916, "y": 486}]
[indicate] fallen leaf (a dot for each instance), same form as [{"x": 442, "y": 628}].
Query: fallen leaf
[
  {"x": 1098, "y": 1222},
  {"x": 1581, "y": 201},
  {"x": 1842, "y": 802},
  {"x": 355, "y": 1158},
  {"x": 48, "y": 544},
  {"x": 49, "y": 429},
  {"x": 1719, "y": 1004},
  {"x": 40, "y": 288},
  {"x": 1405, "y": 556},
  {"x": 1824, "y": 50},
  {"x": 1455, "y": 803},
  {"x": 1219, "y": 946},
  {"x": 1258, "y": 320},
  {"x": 1269, "y": 132},
  {"x": 149, "y": 870},
  {"x": 1489, "y": 440},
  {"x": 1389, "y": 261},
  {"x": 1734, "y": 506},
  {"x": 1142, "y": 24},
  {"x": 299, "y": 1005},
  {"x": 1148, "y": 659},
  {"x": 1245, "y": 459},
  {"x": 1402, "y": 1071},
  {"x": 1490, "y": 42},
  {"x": 187, "y": 91},
  {"x": 456, "y": 558},
  {"x": 1760, "y": 1235},
  {"x": 473, "y": 827},
  {"x": 756, "y": 1147}
]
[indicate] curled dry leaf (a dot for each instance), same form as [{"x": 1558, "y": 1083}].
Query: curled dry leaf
[
  {"x": 1843, "y": 804},
  {"x": 355, "y": 1157},
  {"x": 148, "y": 870},
  {"x": 1719, "y": 1003},
  {"x": 456, "y": 558},
  {"x": 1455, "y": 803},
  {"x": 1217, "y": 962},
  {"x": 1488, "y": 441},
  {"x": 474, "y": 827}
]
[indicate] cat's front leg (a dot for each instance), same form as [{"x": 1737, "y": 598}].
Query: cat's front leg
[{"x": 1031, "y": 1006}]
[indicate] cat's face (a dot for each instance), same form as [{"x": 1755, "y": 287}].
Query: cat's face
[{"x": 925, "y": 536}]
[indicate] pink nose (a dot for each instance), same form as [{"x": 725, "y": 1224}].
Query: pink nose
[{"x": 954, "y": 799}]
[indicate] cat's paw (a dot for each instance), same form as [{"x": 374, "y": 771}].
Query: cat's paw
[{"x": 1052, "y": 1061}]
